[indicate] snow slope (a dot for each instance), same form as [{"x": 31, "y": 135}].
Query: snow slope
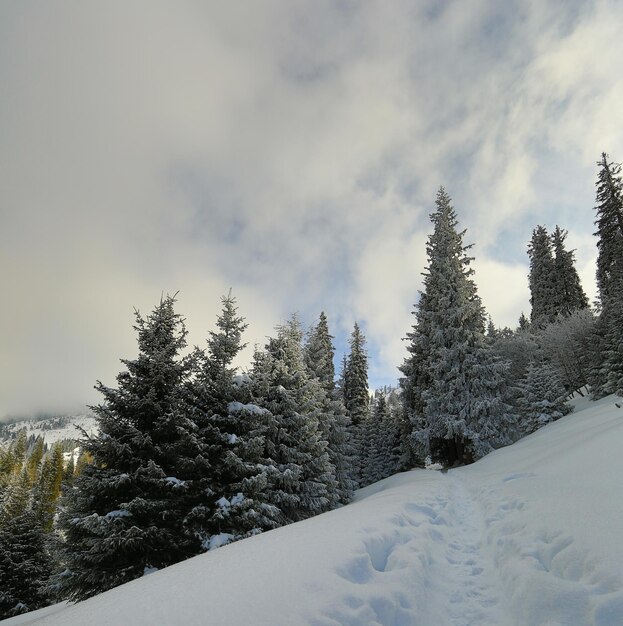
[
  {"x": 530, "y": 535},
  {"x": 52, "y": 429}
]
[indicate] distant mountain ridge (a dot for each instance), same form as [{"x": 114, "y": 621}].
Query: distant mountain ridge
[{"x": 52, "y": 428}]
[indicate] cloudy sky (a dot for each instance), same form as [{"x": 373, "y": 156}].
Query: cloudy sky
[{"x": 290, "y": 150}]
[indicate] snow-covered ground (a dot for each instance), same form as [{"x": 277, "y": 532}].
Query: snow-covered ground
[
  {"x": 531, "y": 535},
  {"x": 51, "y": 429}
]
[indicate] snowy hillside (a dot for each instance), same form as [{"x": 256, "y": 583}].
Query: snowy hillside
[
  {"x": 530, "y": 535},
  {"x": 52, "y": 429}
]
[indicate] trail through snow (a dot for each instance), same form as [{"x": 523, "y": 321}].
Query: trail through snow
[
  {"x": 474, "y": 593},
  {"x": 433, "y": 568}
]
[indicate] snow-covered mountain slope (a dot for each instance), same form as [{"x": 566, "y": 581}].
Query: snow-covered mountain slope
[
  {"x": 52, "y": 429},
  {"x": 531, "y": 535}
]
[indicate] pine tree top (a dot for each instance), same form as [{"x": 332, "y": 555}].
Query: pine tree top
[
  {"x": 609, "y": 222},
  {"x": 226, "y": 343},
  {"x": 319, "y": 353}
]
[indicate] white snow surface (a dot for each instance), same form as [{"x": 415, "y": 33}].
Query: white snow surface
[{"x": 530, "y": 535}]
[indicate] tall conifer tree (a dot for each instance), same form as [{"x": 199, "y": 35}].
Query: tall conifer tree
[
  {"x": 25, "y": 565},
  {"x": 319, "y": 354},
  {"x": 335, "y": 423},
  {"x": 295, "y": 442},
  {"x": 212, "y": 390},
  {"x": 541, "y": 278},
  {"x": 607, "y": 370},
  {"x": 609, "y": 222},
  {"x": 569, "y": 295},
  {"x": 236, "y": 430},
  {"x": 125, "y": 513},
  {"x": 356, "y": 396},
  {"x": 459, "y": 413}
]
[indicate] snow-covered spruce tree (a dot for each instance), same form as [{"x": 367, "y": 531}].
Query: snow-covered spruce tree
[
  {"x": 304, "y": 483},
  {"x": 319, "y": 353},
  {"x": 377, "y": 447},
  {"x": 211, "y": 391},
  {"x": 239, "y": 504},
  {"x": 492, "y": 332},
  {"x": 356, "y": 396},
  {"x": 125, "y": 513},
  {"x": 541, "y": 278},
  {"x": 367, "y": 449},
  {"x": 606, "y": 374},
  {"x": 569, "y": 295},
  {"x": 394, "y": 429},
  {"x": 416, "y": 379},
  {"x": 247, "y": 505},
  {"x": 341, "y": 380},
  {"x": 609, "y": 222},
  {"x": 25, "y": 565},
  {"x": 543, "y": 397},
  {"x": 334, "y": 423},
  {"x": 606, "y": 370},
  {"x": 461, "y": 413}
]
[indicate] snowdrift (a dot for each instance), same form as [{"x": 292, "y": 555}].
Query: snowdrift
[{"x": 530, "y": 535}]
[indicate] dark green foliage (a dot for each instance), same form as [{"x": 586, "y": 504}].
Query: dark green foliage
[
  {"x": 381, "y": 442},
  {"x": 334, "y": 421},
  {"x": 541, "y": 278},
  {"x": 609, "y": 222},
  {"x": 568, "y": 293},
  {"x": 319, "y": 353},
  {"x": 236, "y": 432},
  {"x": 555, "y": 288},
  {"x": 524, "y": 323},
  {"x": 245, "y": 506},
  {"x": 224, "y": 346},
  {"x": 126, "y": 512},
  {"x": 356, "y": 398},
  {"x": 25, "y": 566},
  {"x": 606, "y": 375},
  {"x": 212, "y": 391},
  {"x": 606, "y": 370}
]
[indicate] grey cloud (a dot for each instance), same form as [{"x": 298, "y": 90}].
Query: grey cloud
[{"x": 290, "y": 150}]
